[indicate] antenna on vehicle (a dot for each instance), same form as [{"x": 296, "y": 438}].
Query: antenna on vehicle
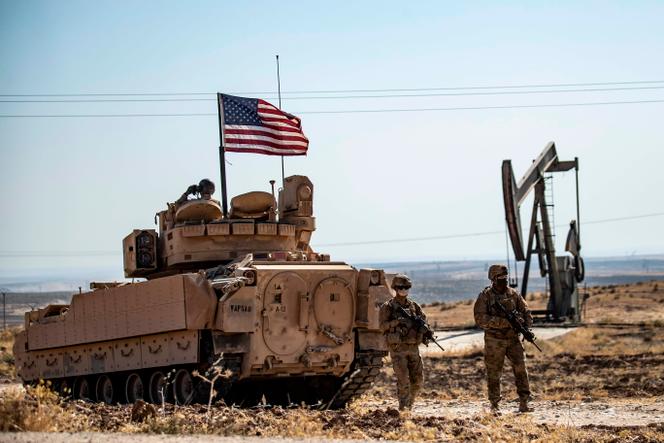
[{"x": 279, "y": 95}]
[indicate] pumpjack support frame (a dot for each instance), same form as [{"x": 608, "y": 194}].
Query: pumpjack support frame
[{"x": 563, "y": 273}]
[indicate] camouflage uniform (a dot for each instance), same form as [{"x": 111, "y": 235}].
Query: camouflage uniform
[
  {"x": 500, "y": 340},
  {"x": 403, "y": 340}
]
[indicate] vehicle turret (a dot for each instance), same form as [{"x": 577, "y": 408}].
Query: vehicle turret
[{"x": 193, "y": 233}]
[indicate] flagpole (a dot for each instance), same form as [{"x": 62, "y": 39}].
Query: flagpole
[
  {"x": 222, "y": 159},
  {"x": 283, "y": 180}
]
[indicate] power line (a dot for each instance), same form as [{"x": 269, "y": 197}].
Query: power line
[
  {"x": 341, "y": 97},
  {"x": 342, "y": 91},
  {"x": 478, "y": 234},
  {"x": 351, "y": 111},
  {"x": 476, "y": 108},
  {"x": 192, "y": 114},
  {"x": 6, "y": 254},
  {"x": 632, "y": 217},
  {"x": 413, "y": 239}
]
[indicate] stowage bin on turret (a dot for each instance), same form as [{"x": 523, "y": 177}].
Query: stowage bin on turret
[{"x": 243, "y": 295}]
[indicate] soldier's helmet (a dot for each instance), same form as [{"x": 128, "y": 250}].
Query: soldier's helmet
[
  {"x": 497, "y": 271},
  {"x": 401, "y": 281},
  {"x": 206, "y": 187}
]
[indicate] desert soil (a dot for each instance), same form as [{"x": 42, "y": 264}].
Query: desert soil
[
  {"x": 109, "y": 437},
  {"x": 556, "y": 412}
]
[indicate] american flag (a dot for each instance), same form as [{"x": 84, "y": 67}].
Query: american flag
[{"x": 254, "y": 125}]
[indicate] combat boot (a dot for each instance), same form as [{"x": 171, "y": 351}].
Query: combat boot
[
  {"x": 523, "y": 406},
  {"x": 495, "y": 409},
  {"x": 411, "y": 401}
]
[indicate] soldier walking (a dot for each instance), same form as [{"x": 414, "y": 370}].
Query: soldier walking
[
  {"x": 403, "y": 340},
  {"x": 500, "y": 340}
]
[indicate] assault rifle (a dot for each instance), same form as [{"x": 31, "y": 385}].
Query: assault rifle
[
  {"x": 517, "y": 324},
  {"x": 419, "y": 322}
]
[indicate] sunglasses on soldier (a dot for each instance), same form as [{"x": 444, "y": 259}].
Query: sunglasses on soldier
[{"x": 399, "y": 288}]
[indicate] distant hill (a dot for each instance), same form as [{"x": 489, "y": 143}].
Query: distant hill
[{"x": 459, "y": 280}]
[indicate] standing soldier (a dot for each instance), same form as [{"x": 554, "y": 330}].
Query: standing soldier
[
  {"x": 403, "y": 339},
  {"x": 500, "y": 340}
]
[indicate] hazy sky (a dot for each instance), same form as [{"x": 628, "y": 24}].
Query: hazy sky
[{"x": 72, "y": 188}]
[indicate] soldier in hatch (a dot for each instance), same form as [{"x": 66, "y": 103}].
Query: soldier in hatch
[
  {"x": 403, "y": 340},
  {"x": 204, "y": 189},
  {"x": 500, "y": 340}
]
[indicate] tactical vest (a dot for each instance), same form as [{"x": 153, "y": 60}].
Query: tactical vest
[
  {"x": 508, "y": 301},
  {"x": 402, "y": 334}
]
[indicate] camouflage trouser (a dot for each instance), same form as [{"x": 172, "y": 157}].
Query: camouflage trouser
[
  {"x": 407, "y": 366},
  {"x": 495, "y": 351}
]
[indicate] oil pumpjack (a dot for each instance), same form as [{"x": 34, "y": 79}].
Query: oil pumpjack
[{"x": 564, "y": 272}]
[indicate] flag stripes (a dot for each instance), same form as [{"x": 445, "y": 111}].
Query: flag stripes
[{"x": 256, "y": 126}]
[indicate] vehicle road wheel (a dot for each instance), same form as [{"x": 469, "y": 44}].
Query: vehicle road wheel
[
  {"x": 183, "y": 387},
  {"x": 157, "y": 387},
  {"x": 133, "y": 388},
  {"x": 104, "y": 389},
  {"x": 81, "y": 389}
]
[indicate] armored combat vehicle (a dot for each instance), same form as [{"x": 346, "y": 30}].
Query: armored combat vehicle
[{"x": 239, "y": 298}]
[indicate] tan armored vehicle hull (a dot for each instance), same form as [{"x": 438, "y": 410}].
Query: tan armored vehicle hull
[{"x": 301, "y": 329}]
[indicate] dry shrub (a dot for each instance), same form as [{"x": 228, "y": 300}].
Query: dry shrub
[
  {"x": 467, "y": 352},
  {"x": 635, "y": 340},
  {"x": 38, "y": 409},
  {"x": 7, "y": 367},
  {"x": 446, "y": 306}
]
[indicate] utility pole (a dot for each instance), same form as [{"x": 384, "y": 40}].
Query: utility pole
[{"x": 4, "y": 311}]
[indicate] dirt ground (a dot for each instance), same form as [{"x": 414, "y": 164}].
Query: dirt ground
[
  {"x": 573, "y": 413},
  {"x": 596, "y": 382},
  {"x": 104, "y": 437}
]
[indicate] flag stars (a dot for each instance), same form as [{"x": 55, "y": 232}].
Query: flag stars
[{"x": 240, "y": 110}]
